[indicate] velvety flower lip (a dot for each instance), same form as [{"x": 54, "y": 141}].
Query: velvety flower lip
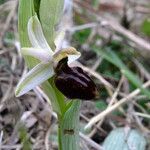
[
  {"x": 74, "y": 83},
  {"x": 43, "y": 52}
]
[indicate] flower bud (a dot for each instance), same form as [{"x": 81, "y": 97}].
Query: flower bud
[{"x": 74, "y": 83}]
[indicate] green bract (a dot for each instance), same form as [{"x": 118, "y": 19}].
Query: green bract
[{"x": 47, "y": 57}]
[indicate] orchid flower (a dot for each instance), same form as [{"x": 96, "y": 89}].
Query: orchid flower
[{"x": 48, "y": 58}]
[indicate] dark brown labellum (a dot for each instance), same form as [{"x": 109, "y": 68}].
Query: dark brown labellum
[{"x": 74, "y": 83}]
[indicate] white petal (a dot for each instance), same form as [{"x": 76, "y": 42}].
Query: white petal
[
  {"x": 34, "y": 77},
  {"x": 72, "y": 58},
  {"x": 36, "y": 35},
  {"x": 38, "y": 53},
  {"x": 59, "y": 40},
  {"x": 69, "y": 52}
]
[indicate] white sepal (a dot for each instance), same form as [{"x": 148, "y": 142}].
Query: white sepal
[
  {"x": 59, "y": 40},
  {"x": 38, "y": 53},
  {"x": 34, "y": 77},
  {"x": 36, "y": 35},
  {"x": 72, "y": 58},
  {"x": 69, "y": 52}
]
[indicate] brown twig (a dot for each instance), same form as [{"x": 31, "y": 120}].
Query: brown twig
[
  {"x": 91, "y": 142},
  {"x": 117, "y": 105}
]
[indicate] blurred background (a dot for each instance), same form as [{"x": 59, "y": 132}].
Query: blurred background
[{"x": 114, "y": 39}]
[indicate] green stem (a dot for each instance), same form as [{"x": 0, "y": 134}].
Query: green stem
[
  {"x": 59, "y": 134},
  {"x": 68, "y": 130}
]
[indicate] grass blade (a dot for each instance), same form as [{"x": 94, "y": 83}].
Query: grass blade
[{"x": 113, "y": 58}]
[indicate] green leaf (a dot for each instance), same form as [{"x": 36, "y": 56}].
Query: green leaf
[
  {"x": 112, "y": 57},
  {"x": 135, "y": 80},
  {"x": 50, "y": 13},
  {"x": 24, "y": 17},
  {"x": 146, "y": 27},
  {"x": 59, "y": 96},
  {"x": 121, "y": 139},
  {"x": 69, "y": 128},
  {"x": 52, "y": 95},
  {"x": 37, "y": 6}
]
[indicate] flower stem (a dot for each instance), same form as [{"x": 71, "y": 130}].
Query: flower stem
[
  {"x": 68, "y": 130},
  {"x": 59, "y": 134}
]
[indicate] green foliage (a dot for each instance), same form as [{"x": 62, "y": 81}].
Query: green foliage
[
  {"x": 145, "y": 104},
  {"x": 108, "y": 71},
  {"x": 2, "y": 1},
  {"x": 24, "y": 16},
  {"x": 4, "y": 65},
  {"x": 121, "y": 139},
  {"x": 101, "y": 105},
  {"x": 50, "y": 13},
  {"x": 26, "y": 145},
  {"x": 146, "y": 27},
  {"x": 9, "y": 37},
  {"x": 57, "y": 99},
  {"x": 37, "y": 6},
  {"x": 81, "y": 36},
  {"x": 96, "y": 3},
  {"x": 113, "y": 58}
]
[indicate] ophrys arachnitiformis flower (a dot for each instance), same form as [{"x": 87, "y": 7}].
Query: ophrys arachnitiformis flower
[
  {"x": 72, "y": 82},
  {"x": 42, "y": 51}
]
